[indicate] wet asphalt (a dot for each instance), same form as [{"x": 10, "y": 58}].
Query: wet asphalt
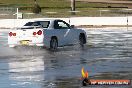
[{"x": 107, "y": 55}]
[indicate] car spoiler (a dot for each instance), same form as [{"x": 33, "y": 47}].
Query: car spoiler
[{"x": 27, "y": 27}]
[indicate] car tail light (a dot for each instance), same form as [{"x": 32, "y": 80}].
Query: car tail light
[
  {"x": 12, "y": 34},
  {"x": 34, "y": 33},
  {"x": 39, "y": 32}
]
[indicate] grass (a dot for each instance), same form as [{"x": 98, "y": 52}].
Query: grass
[{"x": 61, "y": 7}]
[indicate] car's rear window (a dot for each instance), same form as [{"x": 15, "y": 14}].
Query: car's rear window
[{"x": 44, "y": 24}]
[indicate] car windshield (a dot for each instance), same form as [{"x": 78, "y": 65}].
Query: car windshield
[{"x": 43, "y": 24}]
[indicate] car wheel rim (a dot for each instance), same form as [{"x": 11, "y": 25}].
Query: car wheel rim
[
  {"x": 81, "y": 40},
  {"x": 54, "y": 44}
]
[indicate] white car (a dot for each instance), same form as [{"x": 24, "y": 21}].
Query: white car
[{"x": 50, "y": 33}]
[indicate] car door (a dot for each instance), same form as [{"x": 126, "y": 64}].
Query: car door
[
  {"x": 71, "y": 35},
  {"x": 62, "y": 31}
]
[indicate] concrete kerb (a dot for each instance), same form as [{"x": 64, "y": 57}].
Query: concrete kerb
[{"x": 77, "y": 21}]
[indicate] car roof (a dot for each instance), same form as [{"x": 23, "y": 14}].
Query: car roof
[
  {"x": 51, "y": 26},
  {"x": 45, "y": 19}
]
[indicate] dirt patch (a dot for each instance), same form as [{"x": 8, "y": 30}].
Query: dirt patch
[
  {"x": 109, "y": 1},
  {"x": 127, "y": 3}
]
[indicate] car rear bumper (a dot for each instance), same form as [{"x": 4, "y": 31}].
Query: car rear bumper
[{"x": 31, "y": 44}]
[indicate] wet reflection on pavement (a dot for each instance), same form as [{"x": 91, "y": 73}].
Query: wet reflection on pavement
[{"x": 107, "y": 55}]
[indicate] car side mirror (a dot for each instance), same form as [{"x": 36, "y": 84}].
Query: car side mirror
[{"x": 72, "y": 26}]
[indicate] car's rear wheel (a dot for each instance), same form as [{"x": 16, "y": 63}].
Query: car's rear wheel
[{"x": 54, "y": 43}]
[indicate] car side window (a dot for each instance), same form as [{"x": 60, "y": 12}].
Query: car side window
[
  {"x": 35, "y": 24},
  {"x": 44, "y": 24},
  {"x": 61, "y": 25}
]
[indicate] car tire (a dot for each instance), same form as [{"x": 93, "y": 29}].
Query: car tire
[
  {"x": 81, "y": 40},
  {"x": 54, "y": 44}
]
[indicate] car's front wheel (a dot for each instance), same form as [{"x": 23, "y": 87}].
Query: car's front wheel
[
  {"x": 82, "y": 40},
  {"x": 54, "y": 43}
]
